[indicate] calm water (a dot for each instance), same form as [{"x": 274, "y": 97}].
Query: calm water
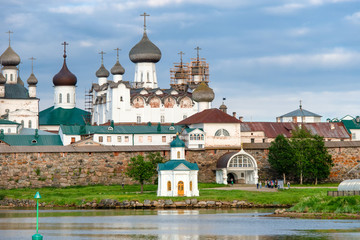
[{"x": 169, "y": 224}]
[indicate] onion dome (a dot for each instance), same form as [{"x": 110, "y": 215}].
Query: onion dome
[
  {"x": 64, "y": 77},
  {"x": 19, "y": 81},
  {"x": 203, "y": 93},
  {"x": 177, "y": 142},
  {"x": 32, "y": 80},
  {"x": 2, "y": 79},
  {"x": 10, "y": 58},
  {"x": 102, "y": 72},
  {"x": 223, "y": 107},
  {"x": 117, "y": 69},
  {"x": 145, "y": 51}
]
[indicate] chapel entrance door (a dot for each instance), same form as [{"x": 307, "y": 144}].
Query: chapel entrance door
[{"x": 180, "y": 188}]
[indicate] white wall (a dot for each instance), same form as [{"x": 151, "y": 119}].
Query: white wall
[
  {"x": 174, "y": 177},
  {"x": 64, "y": 91}
]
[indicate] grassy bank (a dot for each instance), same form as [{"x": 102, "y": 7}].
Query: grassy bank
[
  {"x": 321, "y": 203},
  {"x": 76, "y": 195}
]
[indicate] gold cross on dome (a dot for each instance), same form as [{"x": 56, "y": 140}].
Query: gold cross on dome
[{"x": 144, "y": 15}]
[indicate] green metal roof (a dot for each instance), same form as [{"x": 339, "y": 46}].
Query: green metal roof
[
  {"x": 16, "y": 91},
  {"x": 177, "y": 142},
  {"x": 31, "y": 140},
  {"x": 57, "y": 116},
  {"x": 3, "y": 121},
  {"x": 172, "y": 164},
  {"x": 120, "y": 129},
  {"x": 351, "y": 124},
  {"x": 189, "y": 130}
]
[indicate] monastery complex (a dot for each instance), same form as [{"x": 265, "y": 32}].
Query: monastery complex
[{"x": 127, "y": 117}]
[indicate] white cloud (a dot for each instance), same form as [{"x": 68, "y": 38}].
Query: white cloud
[
  {"x": 82, "y": 9},
  {"x": 355, "y": 18},
  {"x": 285, "y": 9},
  {"x": 19, "y": 19},
  {"x": 86, "y": 44},
  {"x": 296, "y": 32},
  {"x": 336, "y": 58}
]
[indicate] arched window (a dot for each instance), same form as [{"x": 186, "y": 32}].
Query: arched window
[
  {"x": 9, "y": 130},
  {"x": 178, "y": 154},
  {"x": 191, "y": 137},
  {"x": 138, "y": 119},
  {"x": 121, "y": 99},
  {"x": 29, "y": 123},
  {"x": 141, "y": 79},
  {"x": 202, "y": 136},
  {"x": 190, "y": 185},
  {"x": 68, "y": 98},
  {"x": 241, "y": 161},
  {"x": 148, "y": 76},
  {"x": 60, "y": 98},
  {"x": 22, "y": 123},
  {"x": 162, "y": 118},
  {"x": 222, "y": 133},
  {"x": 197, "y": 136},
  {"x": 11, "y": 77},
  {"x": 169, "y": 186}
]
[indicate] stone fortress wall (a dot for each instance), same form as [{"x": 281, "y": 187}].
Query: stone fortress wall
[{"x": 64, "y": 166}]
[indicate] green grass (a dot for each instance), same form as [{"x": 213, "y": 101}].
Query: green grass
[
  {"x": 76, "y": 195},
  {"x": 319, "y": 185},
  {"x": 321, "y": 203}
]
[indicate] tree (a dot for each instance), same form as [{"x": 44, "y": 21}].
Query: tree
[
  {"x": 281, "y": 156},
  {"x": 141, "y": 170}
]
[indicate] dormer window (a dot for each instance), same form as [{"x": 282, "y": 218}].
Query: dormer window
[
  {"x": 34, "y": 141},
  {"x": 110, "y": 128}
]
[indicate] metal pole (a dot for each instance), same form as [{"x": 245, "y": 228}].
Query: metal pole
[{"x": 37, "y": 236}]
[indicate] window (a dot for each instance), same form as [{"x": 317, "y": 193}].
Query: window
[
  {"x": 22, "y": 123},
  {"x": 101, "y": 139},
  {"x": 121, "y": 99},
  {"x": 202, "y": 136},
  {"x": 11, "y": 77},
  {"x": 354, "y": 135},
  {"x": 178, "y": 154},
  {"x": 138, "y": 119},
  {"x": 252, "y": 140},
  {"x": 163, "y": 138},
  {"x": 222, "y": 133},
  {"x": 190, "y": 185},
  {"x": 140, "y": 139},
  {"x": 60, "y": 98},
  {"x": 72, "y": 139},
  {"x": 68, "y": 98},
  {"x": 191, "y": 137},
  {"x": 162, "y": 118},
  {"x": 149, "y": 138},
  {"x": 6, "y": 77},
  {"x": 29, "y": 123},
  {"x": 197, "y": 136},
  {"x": 184, "y": 116},
  {"x": 126, "y": 138},
  {"x": 108, "y": 139},
  {"x": 148, "y": 76},
  {"x": 264, "y": 140},
  {"x": 9, "y": 130},
  {"x": 119, "y": 138},
  {"x": 141, "y": 79},
  {"x": 169, "y": 186},
  {"x": 241, "y": 161}
]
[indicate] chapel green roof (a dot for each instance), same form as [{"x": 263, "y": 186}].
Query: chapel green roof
[
  {"x": 351, "y": 124},
  {"x": 119, "y": 129},
  {"x": 172, "y": 164},
  {"x": 177, "y": 142},
  {"x": 32, "y": 140},
  {"x": 58, "y": 116},
  {"x": 4, "y": 121}
]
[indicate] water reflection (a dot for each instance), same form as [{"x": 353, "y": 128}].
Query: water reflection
[{"x": 170, "y": 224}]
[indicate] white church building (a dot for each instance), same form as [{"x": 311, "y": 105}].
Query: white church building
[{"x": 177, "y": 177}]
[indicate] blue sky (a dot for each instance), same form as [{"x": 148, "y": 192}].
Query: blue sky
[{"x": 264, "y": 56}]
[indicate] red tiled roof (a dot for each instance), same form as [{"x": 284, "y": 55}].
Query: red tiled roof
[
  {"x": 213, "y": 115},
  {"x": 273, "y": 129}
]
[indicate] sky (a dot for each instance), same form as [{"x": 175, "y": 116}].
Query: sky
[{"x": 264, "y": 56}]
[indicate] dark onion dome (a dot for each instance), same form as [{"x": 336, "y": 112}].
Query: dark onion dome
[
  {"x": 145, "y": 51},
  {"x": 19, "y": 81},
  {"x": 2, "y": 79},
  {"x": 117, "y": 69},
  {"x": 177, "y": 142},
  {"x": 9, "y": 58},
  {"x": 203, "y": 93},
  {"x": 102, "y": 72},
  {"x": 64, "y": 77},
  {"x": 32, "y": 80}
]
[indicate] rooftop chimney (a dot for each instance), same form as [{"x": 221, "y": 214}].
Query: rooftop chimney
[{"x": 234, "y": 114}]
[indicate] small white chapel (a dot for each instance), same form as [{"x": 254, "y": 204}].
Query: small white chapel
[{"x": 177, "y": 177}]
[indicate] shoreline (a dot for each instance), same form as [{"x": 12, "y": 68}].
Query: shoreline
[{"x": 307, "y": 215}]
